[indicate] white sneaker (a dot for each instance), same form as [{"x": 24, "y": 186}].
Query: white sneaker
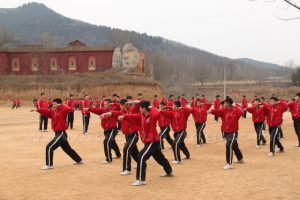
[
  {"x": 86, "y": 133},
  {"x": 125, "y": 173},
  {"x": 105, "y": 162},
  {"x": 199, "y": 145},
  {"x": 166, "y": 175},
  {"x": 45, "y": 131},
  {"x": 46, "y": 167},
  {"x": 241, "y": 161},
  {"x": 138, "y": 183},
  {"x": 258, "y": 147},
  {"x": 135, "y": 167},
  {"x": 176, "y": 162},
  {"x": 79, "y": 163},
  {"x": 228, "y": 166},
  {"x": 270, "y": 154}
]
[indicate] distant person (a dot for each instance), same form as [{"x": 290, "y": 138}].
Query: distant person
[
  {"x": 200, "y": 117},
  {"x": 217, "y": 105},
  {"x": 14, "y": 103},
  {"x": 294, "y": 106},
  {"x": 85, "y": 105},
  {"x": 71, "y": 104},
  {"x": 155, "y": 102},
  {"x": 244, "y": 106},
  {"x": 43, "y": 104},
  {"x": 58, "y": 116},
  {"x": 258, "y": 118},
  {"x": 274, "y": 113}
]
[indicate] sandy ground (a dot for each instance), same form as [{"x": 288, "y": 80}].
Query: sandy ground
[{"x": 22, "y": 149}]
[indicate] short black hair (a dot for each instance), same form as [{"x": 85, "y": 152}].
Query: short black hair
[
  {"x": 203, "y": 95},
  {"x": 57, "y": 100},
  {"x": 244, "y": 96},
  {"x": 171, "y": 96},
  {"x": 123, "y": 101},
  {"x": 114, "y": 95},
  {"x": 183, "y": 95},
  {"x": 155, "y": 95},
  {"x": 217, "y": 96},
  {"x": 263, "y": 98},
  {"x": 139, "y": 94},
  {"x": 228, "y": 100},
  {"x": 145, "y": 104},
  {"x": 177, "y": 104},
  {"x": 274, "y": 98},
  {"x": 162, "y": 103},
  {"x": 108, "y": 100},
  {"x": 71, "y": 95},
  {"x": 298, "y": 94},
  {"x": 129, "y": 97},
  {"x": 257, "y": 99},
  {"x": 42, "y": 93}
]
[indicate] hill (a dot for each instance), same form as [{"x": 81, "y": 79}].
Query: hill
[{"x": 169, "y": 62}]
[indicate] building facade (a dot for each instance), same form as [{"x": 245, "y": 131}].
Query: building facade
[{"x": 74, "y": 58}]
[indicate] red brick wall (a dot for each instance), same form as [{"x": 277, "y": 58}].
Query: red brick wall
[{"x": 103, "y": 62}]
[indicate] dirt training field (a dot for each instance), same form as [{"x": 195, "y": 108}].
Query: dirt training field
[{"x": 260, "y": 177}]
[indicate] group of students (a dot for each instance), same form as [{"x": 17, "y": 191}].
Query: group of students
[{"x": 138, "y": 119}]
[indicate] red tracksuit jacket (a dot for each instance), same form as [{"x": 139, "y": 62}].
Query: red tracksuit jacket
[
  {"x": 146, "y": 124},
  {"x": 178, "y": 118},
  {"x": 200, "y": 113},
  {"x": 71, "y": 104},
  {"x": 115, "y": 106},
  {"x": 155, "y": 103},
  {"x": 183, "y": 102},
  {"x": 164, "y": 100},
  {"x": 230, "y": 118},
  {"x": 127, "y": 128},
  {"x": 163, "y": 121},
  {"x": 295, "y": 109},
  {"x": 42, "y": 104},
  {"x": 85, "y": 104},
  {"x": 107, "y": 123},
  {"x": 244, "y": 103},
  {"x": 58, "y": 117},
  {"x": 217, "y": 104},
  {"x": 258, "y": 114},
  {"x": 274, "y": 113}
]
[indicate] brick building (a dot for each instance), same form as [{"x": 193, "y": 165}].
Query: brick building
[{"x": 74, "y": 58}]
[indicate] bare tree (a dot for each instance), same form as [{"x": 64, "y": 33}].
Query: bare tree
[{"x": 6, "y": 37}]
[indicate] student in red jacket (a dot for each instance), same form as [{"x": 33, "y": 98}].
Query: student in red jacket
[
  {"x": 147, "y": 121},
  {"x": 115, "y": 105},
  {"x": 71, "y": 104},
  {"x": 85, "y": 104},
  {"x": 244, "y": 106},
  {"x": 200, "y": 117},
  {"x": 258, "y": 118},
  {"x": 183, "y": 100},
  {"x": 58, "y": 116},
  {"x": 217, "y": 105},
  {"x": 230, "y": 116},
  {"x": 170, "y": 101},
  {"x": 164, "y": 125},
  {"x": 109, "y": 125},
  {"x": 164, "y": 100},
  {"x": 42, "y": 104},
  {"x": 155, "y": 102},
  {"x": 274, "y": 113},
  {"x": 131, "y": 136},
  {"x": 295, "y": 111},
  {"x": 178, "y": 117},
  {"x": 18, "y": 102}
]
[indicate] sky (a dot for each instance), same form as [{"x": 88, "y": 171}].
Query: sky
[{"x": 230, "y": 28}]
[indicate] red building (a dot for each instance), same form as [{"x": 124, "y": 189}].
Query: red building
[{"x": 36, "y": 59}]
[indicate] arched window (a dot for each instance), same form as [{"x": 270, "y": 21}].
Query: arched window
[
  {"x": 34, "y": 64},
  {"x": 92, "y": 63},
  {"x": 72, "y": 63},
  {"x": 15, "y": 65},
  {"x": 53, "y": 64}
]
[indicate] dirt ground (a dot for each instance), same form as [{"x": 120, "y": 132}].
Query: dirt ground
[{"x": 22, "y": 149}]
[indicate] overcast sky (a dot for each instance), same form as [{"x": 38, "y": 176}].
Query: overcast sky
[{"x": 231, "y": 28}]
